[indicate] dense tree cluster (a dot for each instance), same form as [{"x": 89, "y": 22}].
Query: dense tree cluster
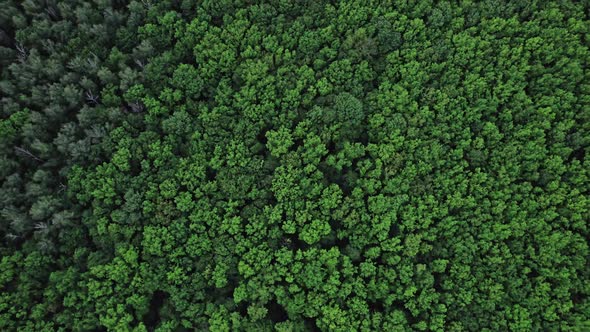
[{"x": 294, "y": 166}]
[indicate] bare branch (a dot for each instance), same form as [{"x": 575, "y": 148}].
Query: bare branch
[
  {"x": 11, "y": 236},
  {"x": 41, "y": 226},
  {"x": 91, "y": 98},
  {"x": 26, "y": 153},
  {"x": 137, "y": 107},
  {"x": 140, "y": 63},
  {"x": 22, "y": 52},
  {"x": 52, "y": 13}
]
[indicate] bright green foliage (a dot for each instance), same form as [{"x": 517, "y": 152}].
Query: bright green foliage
[{"x": 294, "y": 166}]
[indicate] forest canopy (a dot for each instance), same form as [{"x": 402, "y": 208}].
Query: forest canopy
[{"x": 287, "y": 165}]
